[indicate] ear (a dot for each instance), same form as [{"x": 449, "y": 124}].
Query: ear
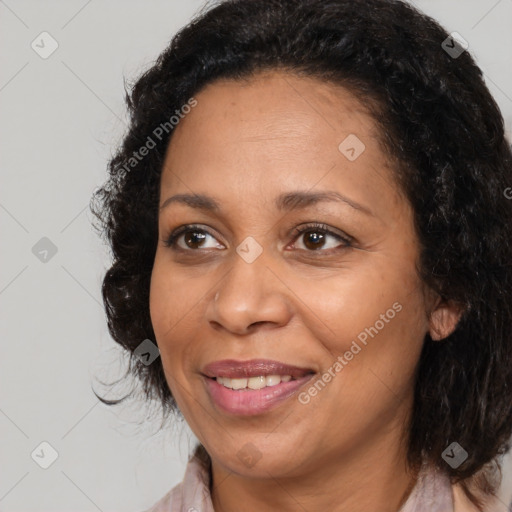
[{"x": 444, "y": 319}]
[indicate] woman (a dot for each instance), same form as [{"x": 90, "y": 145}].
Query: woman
[{"x": 308, "y": 218}]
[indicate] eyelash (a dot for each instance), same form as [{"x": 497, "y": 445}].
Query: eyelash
[
  {"x": 323, "y": 229},
  {"x": 171, "y": 240}
]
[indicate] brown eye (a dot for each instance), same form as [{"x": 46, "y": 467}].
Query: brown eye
[
  {"x": 313, "y": 239},
  {"x": 191, "y": 237},
  {"x": 316, "y": 237}
]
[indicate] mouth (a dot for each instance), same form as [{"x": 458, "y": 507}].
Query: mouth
[
  {"x": 233, "y": 369},
  {"x": 253, "y": 387}
]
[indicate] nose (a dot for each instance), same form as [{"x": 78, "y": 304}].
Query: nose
[{"x": 249, "y": 295}]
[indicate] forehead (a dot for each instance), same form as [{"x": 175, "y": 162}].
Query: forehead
[
  {"x": 273, "y": 128},
  {"x": 276, "y": 104}
]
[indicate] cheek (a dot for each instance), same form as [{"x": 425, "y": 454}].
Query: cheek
[
  {"x": 166, "y": 306},
  {"x": 175, "y": 301},
  {"x": 375, "y": 320},
  {"x": 159, "y": 297},
  {"x": 347, "y": 304},
  {"x": 377, "y": 327},
  {"x": 174, "y": 294}
]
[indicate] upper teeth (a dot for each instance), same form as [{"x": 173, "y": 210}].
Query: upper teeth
[{"x": 253, "y": 382}]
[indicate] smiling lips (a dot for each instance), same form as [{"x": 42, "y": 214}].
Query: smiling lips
[{"x": 254, "y": 386}]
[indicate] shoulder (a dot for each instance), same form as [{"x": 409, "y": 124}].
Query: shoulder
[
  {"x": 462, "y": 503},
  {"x": 171, "y": 502},
  {"x": 192, "y": 494}
]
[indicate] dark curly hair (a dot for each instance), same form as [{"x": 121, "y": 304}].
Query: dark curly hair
[{"x": 443, "y": 131}]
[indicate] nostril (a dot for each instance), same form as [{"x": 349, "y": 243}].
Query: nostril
[{"x": 257, "y": 323}]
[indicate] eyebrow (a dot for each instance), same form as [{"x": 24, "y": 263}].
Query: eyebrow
[{"x": 296, "y": 200}]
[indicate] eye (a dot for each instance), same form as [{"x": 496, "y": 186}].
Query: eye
[
  {"x": 318, "y": 236},
  {"x": 313, "y": 237},
  {"x": 193, "y": 237}
]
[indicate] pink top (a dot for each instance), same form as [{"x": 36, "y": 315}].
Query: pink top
[{"x": 432, "y": 492}]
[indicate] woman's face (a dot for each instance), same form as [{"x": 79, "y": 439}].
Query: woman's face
[{"x": 250, "y": 164}]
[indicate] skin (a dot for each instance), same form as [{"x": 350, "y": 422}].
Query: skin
[{"x": 244, "y": 144}]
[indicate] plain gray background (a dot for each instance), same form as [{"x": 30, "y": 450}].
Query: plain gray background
[{"x": 60, "y": 119}]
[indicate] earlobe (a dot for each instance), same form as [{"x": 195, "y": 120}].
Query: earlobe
[{"x": 444, "y": 319}]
